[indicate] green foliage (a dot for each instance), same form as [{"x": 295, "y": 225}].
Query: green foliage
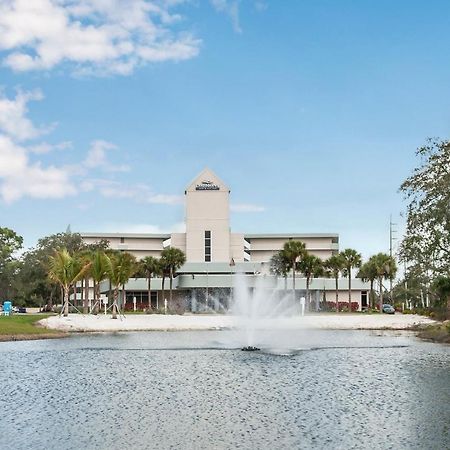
[
  {"x": 280, "y": 264},
  {"x": 10, "y": 243},
  {"x": 350, "y": 259},
  {"x": 334, "y": 265},
  {"x": 311, "y": 266},
  {"x": 426, "y": 245},
  {"x": 293, "y": 251},
  {"x": 66, "y": 269},
  {"x": 121, "y": 266},
  {"x": 171, "y": 260}
]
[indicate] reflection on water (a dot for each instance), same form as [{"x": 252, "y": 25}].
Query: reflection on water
[{"x": 195, "y": 390}]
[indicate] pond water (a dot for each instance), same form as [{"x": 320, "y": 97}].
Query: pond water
[{"x": 195, "y": 390}]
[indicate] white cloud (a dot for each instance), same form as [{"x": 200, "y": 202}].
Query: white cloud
[
  {"x": 140, "y": 193},
  {"x": 96, "y": 36},
  {"x": 231, "y": 9},
  {"x": 44, "y": 147},
  {"x": 23, "y": 174},
  {"x": 96, "y": 157},
  {"x": 246, "y": 208},
  {"x": 19, "y": 177},
  {"x": 13, "y": 112}
]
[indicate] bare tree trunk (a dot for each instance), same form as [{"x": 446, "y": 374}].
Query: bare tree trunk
[
  {"x": 349, "y": 289},
  {"x": 293, "y": 281},
  {"x": 82, "y": 293},
  {"x": 381, "y": 294},
  {"x": 149, "y": 292},
  {"x": 66, "y": 300},
  {"x": 170, "y": 286},
  {"x": 372, "y": 295},
  {"x": 96, "y": 307},
  {"x": 163, "y": 292},
  {"x": 308, "y": 296},
  {"x": 337, "y": 293},
  {"x": 86, "y": 296},
  {"x": 114, "y": 306},
  {"x": 50, "y": 300}
]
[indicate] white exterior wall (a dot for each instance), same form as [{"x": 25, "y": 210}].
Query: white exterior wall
[
  {"x": 139, "y": 246},
  {"x": 263, "y": 248},
  {"x": 237, "y": 247},
  {"x": 178, "y": 240},
  {"x": 207, "y": 210}
]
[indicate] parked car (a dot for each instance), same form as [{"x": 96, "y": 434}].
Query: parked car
[
  {"x": 388, "y": 309},
  {"x": 19, "y": 309}
]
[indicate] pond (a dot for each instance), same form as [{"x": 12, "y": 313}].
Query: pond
[{"x": 196, "y": 390}]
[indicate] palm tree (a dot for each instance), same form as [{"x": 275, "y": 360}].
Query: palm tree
[
  {"x": 368, "y": 272},
  {"x": 99, "y": 272},
  {"x": 121, "y": 266},
  {"x": 386, "y": 268},
  {"x": 293, "y": 251},
  {"x": 280, "y": 266},
  {"x": 171, "y": 260},
  {"x": 351, "y": 258},
  {"x": 311, "y": 266},
  {"x": 150, "y": 266},
  {"x": 66, "y": 270},
  {"x": 334, "y": 265},
  {"x": 85, "y": 256}
]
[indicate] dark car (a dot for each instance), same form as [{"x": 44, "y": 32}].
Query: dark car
[
  {"x": 388, "y": 309},
  {"x": 19, "y": 309}
]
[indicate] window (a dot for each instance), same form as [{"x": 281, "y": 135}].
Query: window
[
  {"x": 207, "y": 246},
  {"x": 122, "y": 240}
]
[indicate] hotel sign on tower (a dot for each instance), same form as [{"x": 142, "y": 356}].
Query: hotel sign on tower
[{"x": 207, "y": 185}]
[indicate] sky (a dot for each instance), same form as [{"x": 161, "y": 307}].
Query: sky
[{"x": 310, "y": 110}]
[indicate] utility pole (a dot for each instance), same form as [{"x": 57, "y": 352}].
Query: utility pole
[{"x": 392, "y": 231}]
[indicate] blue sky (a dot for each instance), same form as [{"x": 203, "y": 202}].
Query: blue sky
[{"x": 310, "y": 110}]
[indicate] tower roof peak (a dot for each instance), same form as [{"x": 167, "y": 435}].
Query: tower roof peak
[{"x": 207, "y": 180}]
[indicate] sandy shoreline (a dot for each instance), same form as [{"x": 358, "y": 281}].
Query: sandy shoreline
[{"x": 157, "y": 322}]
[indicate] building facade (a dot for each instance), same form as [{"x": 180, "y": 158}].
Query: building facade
[{"x": 214, "y": 254}]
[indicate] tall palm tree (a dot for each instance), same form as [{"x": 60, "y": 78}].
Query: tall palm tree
[
  {"x": 386, "y": 268},
  {"x": 311, "y": 266},
  {"x": 98, "y": 272},
  {"x": 150, "y": 266},
  {"x": 66, "y": 270},
  {"x": 121, "y": 267},
  {"x": 85, "y": 256},
  {"x": 294, "y": 250},
  {"x": 368, "y": 272},
  {"x": 280, "y": 266},
  {"x": 334, "y": 266},
  {"x": 171, "y": 260},
  {"x": 351, "y": 259}
]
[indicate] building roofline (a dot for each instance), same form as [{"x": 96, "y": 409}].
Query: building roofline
[
  {"x": 126, "y": 235},
  {"x": 292, "y": 235}
]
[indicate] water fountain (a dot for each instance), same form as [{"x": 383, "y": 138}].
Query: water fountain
[{"x": 260, "y": 312}]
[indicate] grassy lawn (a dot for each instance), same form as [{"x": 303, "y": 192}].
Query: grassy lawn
[{"x": 23, "y": 326}]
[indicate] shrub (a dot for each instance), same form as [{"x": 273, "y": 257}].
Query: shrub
[{"x": 343, "y": 306}]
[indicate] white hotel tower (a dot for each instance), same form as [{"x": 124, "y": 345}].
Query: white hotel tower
[{"x": 214, "y": 253}]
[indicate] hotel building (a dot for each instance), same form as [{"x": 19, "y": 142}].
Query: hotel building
[{"x": 214, "y": 254}]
